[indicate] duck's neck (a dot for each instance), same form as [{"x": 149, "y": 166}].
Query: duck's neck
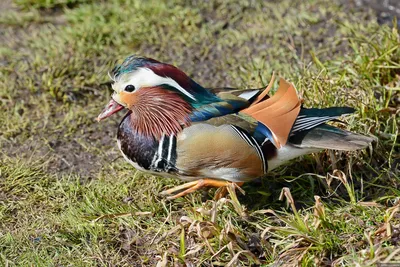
[{"x": 159, "y": 112}]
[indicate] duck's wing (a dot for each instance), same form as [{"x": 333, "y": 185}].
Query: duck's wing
[{"x": 224, "y": 152}]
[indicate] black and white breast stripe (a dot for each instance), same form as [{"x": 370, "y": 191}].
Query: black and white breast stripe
[
  {"x": 253, "y": 143},
  {"x": 164, "y": 158}
]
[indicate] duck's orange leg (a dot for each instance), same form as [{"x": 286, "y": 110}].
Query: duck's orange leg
[
  {"x": 195, "y": 185},
  {"x": 222, "y": 191}
]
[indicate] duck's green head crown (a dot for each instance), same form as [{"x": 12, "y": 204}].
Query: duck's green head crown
[{"x": 131, "y": 64}]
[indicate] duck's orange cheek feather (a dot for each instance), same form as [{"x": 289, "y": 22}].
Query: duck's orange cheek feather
[{"x": 130, "y": 99}]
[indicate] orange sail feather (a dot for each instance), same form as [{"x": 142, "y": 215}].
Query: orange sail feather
[{"x": 279, "y": 112}]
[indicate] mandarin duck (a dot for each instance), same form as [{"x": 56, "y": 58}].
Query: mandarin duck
[{"x": 174, "y": 127}]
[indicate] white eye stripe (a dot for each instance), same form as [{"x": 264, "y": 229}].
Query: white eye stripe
[{"x": 146, "y": 77}]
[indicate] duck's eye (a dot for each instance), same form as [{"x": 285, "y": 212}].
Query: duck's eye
[{"x": 130, "y": 88}]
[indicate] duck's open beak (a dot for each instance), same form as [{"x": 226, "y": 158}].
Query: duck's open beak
[{"x": 111, "y": 108}]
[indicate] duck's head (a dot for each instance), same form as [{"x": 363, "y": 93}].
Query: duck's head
[
  {"x": 138, "y": 75},
  {"x": 153, "y": 90}
]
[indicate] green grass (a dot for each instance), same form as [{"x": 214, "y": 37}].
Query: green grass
[{"x": 68, "y": 198}]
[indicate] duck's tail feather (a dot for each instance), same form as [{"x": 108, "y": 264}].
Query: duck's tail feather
[
  {"x": 312, "y": 117},
  {"x": 329, "y": 137}
]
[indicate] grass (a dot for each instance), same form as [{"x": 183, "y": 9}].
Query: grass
[{"x": 68, "y": 198}]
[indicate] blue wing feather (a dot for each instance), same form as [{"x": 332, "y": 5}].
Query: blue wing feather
[
  {"x": 263, "y": 134},
  {"x": 217, "y": 109}
]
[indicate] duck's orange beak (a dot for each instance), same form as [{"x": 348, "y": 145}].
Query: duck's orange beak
[{"x": 111, "y": 108}]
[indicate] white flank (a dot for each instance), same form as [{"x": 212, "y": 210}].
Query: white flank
[
  {"x": 230, "y": 174},
  {"x": 287, "y": 153}
]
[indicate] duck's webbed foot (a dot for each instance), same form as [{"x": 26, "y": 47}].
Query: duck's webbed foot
[{"x": 191, "y": 187}]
